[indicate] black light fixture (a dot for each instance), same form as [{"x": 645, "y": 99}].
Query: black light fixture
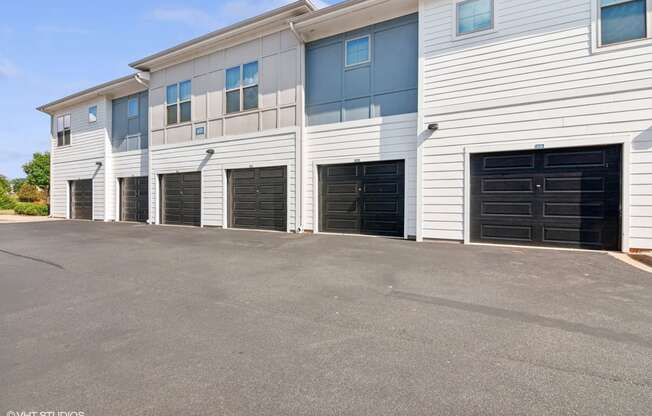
[
  {"x": 210, "y": 151},
  {"x": 433, "y": 126},
  {"x": 98, "y": 164}
]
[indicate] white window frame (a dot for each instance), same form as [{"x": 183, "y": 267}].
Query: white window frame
[
  {"x": 346, "y": 51},
  {"x": 596, "y": 30},
  {"x": 241, "y": 87},
  {"x": 178, "y": 103},
  {"x": 94, "y": 115},
  {"x": 63, "y": 123},
  {"x": 475, "y": 33}
]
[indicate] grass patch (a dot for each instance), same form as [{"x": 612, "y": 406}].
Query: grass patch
[{"x": 7, "y": 212}]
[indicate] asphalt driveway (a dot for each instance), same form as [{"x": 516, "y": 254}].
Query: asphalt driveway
[{"x": 135, "y": 319}]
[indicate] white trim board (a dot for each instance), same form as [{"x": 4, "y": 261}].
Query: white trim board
[{"x": 625, "y": 142}]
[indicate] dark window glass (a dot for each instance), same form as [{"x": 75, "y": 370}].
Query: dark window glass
[
  {"x": 172, "y": 114},
  {"x": 621, "y": 22},
  {"x": 66, "y": 137},
  {"x": 250, "y": 98},
  {"x": 184, "y": 112},
  {"x": 233, "y": 101},
  {"x": 60, "y": 138}
]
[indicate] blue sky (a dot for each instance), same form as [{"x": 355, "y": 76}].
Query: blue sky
[{"x": 51, "y": 49}]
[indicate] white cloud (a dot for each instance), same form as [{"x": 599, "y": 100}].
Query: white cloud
[{"x": 7, "y": 69}]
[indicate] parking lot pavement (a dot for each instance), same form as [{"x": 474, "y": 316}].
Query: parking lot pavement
[{"x": 136, "y": 319}]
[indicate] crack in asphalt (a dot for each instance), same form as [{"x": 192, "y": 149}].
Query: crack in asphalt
[
  {"x": 49, "y": 263},
  {"x": 583, "y": 372},
  {"x": 525, "y": 317}
]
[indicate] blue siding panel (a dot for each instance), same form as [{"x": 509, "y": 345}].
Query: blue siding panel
[
  {"x": 385, "y": 86},
  {"x": 324, "y": 80},
  {"x": 123, "y": 126}
]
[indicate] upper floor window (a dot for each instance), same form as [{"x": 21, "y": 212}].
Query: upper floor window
[
  {"x": 242, "y": 87},
  {"x": 473, "y": 16},
  {"x": 132, "y": 107},
  {"x": 63, "y": 130},
  {"x": 623, "y": 20},
  {"x": 92, "y": 114},
  {"x": 357, "y": 51},
  {"x": 178, "y": 102}
]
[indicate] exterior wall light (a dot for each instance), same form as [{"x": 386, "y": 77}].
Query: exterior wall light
[
  {"x": 433, "y": 126},
  {"x": 210, "y": 151}
]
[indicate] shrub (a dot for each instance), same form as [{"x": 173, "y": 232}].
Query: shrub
[
  {"x": 28, "y": 208},
  {"x": 6, "y": 200},
  {"x": 30, "y": 193}
]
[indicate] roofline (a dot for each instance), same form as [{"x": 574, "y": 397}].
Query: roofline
[
  {"x": 330, "y": 9},
  {"x": 44, "y": 108},
  {"x": 223, "y": 31}
]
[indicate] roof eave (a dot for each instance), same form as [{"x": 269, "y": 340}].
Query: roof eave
[
  {"x": 88, "y": 93},
  {"x": 146, "y": 64}
]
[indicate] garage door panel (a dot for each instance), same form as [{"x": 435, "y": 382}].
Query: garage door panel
[
  {"x": 391, "y": 188},
  {"x": 510, "y": 233},
  {"x": 574, "y": 184},
  {"x": 501, "y": 185},
  {"x": 81, "y": 199},
  {"x": 508, "y": 162},
  {"x": 341, "y": 171},
  {"x": 272, "y": 189},
  {"x": 514, "y": 208},
  {"x": 344, "y": 225},
  {"x": 572, "y": 236},
  {"x": 258, "y": 198},
  {"x": 588, "y": 158},
  {"x": 181, "y": 198},
  {"x": 380, "y": 227},
  {"x": 271, "y": 173},
  {"x": 363, "y": 198},
  {"x": 570, "y": 197},
  {"x": 381, "y": 169},
  {"x": 134, "y": 199}
]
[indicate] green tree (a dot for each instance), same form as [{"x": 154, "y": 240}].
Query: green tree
[
  {"x": 4, "y": 184},
  {"x": 38, "y": 170},
  {"x": 16, "y": 184}
]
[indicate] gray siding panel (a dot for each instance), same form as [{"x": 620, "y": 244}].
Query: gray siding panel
[
  {"x": 123, "y": 126},
  {"x": 387, "y": 85}
]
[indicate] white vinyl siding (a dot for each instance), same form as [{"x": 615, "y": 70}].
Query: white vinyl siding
[
  {"x": 534, "y": 80},
  {"x": 126, "y": 164},
  {"x": 242, "y": 151},
  {"x": 78, "y": 161},
  {"x": 389, "y": 138}
]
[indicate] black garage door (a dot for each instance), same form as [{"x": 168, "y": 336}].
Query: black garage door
[
  {"x": 258, "y": 198},
  {"x": 181, "y": 198},
  {"x": 133, "y": 199},
  {"x": 561, "y": 197},
  {"x": 362, "y": 198},
  {"x": 81, "y": 199}
]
